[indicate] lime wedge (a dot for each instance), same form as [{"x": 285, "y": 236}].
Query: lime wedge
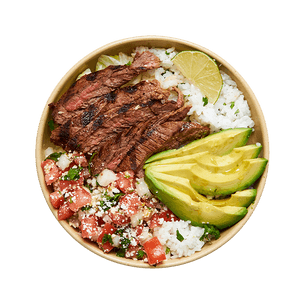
[{"x": 202, "y": 71}]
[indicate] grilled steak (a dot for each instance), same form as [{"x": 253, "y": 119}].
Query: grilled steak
[
  {"x": 160, "y": 137},
  {"x": 95, "y": 86},
  {"x": 81, "y": 125}
]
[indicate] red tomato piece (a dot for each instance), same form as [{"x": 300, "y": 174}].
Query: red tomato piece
[
  {"x": 118, "y": 217},
  {"x": 125, "y": 181},
  {"x": 56, "y": 199},
  {"x": 80, "y": 197},
  {"x": 64, "y": 212},
  {"x": 80, "y": 160},
  {"x": 130, "y": 203},
  {"x": 155, "y": 251},
  {"x": 88, "y": 227},
  {"x": 69, "y": 185},
  {"x": 132, "y": 251},
  {"x": 107, "y": 229},
  {"x": 164, "y": 216},
  {"x": 51, "y": 171}
]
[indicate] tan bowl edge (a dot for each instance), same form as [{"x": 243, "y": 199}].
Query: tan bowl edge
[{"x": 127, "y": 45}]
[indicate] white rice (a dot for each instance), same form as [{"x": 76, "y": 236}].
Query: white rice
[
  {"x": 167, "y": 235},
  {"x": 231, "y": 109}
]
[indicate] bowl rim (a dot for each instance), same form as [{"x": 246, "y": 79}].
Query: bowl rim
[{"x": 155, "y": 40}]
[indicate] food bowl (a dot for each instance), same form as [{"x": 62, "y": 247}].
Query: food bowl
[{"x": 127, "y": 45}]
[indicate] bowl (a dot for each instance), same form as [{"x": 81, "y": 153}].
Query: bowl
[{"x": 127, "y": 45}]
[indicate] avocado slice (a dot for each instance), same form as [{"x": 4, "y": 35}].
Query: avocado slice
[
  {"x": 199, "y": 213},
  {"x": 219, "y": 143},
  {"x": 240, "y": 198},
  {"x": 213, "y": 183},
  {"x": 213, "y": 162}
]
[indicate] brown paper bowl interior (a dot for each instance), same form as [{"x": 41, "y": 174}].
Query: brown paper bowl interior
[{"x": 127, "y": 45}]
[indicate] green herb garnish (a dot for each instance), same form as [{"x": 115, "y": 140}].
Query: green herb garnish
[
  {"x": 232, "y": 105},
  {"x": 205, "y": 101},
  {"x": 210, "y": 232},
  {"x": 140, "y": 254},
  {"x": 90, "y": 161},
  {"x": 55, "y": 156},
  {"x": 51, "y": 125},
  {"x": 179, "y": 236},
  {"x": 107, "y": 238},
  {"x": 73, "y": 174}
]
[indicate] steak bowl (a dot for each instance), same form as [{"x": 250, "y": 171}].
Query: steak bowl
[{"x": 259, "y": 135}]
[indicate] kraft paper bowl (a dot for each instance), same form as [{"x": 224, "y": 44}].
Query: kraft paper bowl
[{"x": 126, "y": 45}]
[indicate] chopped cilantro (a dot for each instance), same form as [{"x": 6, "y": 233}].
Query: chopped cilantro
[
  {"x": 167, "y": 53},
  {"x": 232, "y": 105},
  {"x": 140, "y": 254},
  {"x": 73, "y": 174},
  {"x": 205, "y": 101},
  {"x": 121, "y": 252},
  {"x": 55, "y": 156},
  {"x": 85, "y": 208},
  {"x": 51, "y": 125},
  {"x": 167, "y": 250},
  {"x": 129, "y": 63},
  {"x": 210, "y": 232},
  {"x": 237, "y": 111},
  {"x": 90, "y": 161},
  {"x": 179, "y": 236},
  {"x": 107, "y": 238}
]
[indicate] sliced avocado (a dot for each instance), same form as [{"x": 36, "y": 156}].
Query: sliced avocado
[
  {"x": 220, "y": 143},
  {"x": 198, "y": 213},
  {"x": 213, "y": 162},
  {"x": 210, "y": 183},
  {"x": 241, "y": 198}
]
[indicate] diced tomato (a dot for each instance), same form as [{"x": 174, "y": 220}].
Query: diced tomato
[
  {"x": 56, "y": 199},
  {"x": 108, "y": 229},
  {"x": 69, "y": 185},
  {"x": 125, "y": 181},
  {"x": 80, "y": 160},
  {"x": 79, "y": 198},
  {"x": 118, "y": 217},
  {"x": 139, "y": 229},
  {"x": 51, "y": 171},
  {"x": 130, "y": 203},
  {"x": 155, "y": 251},
  {"x": 164, "y": 216},
  {"x": 132, "y": 251},
  {"x": 88, "y": 227},
  {"x": 64, "y": 212}
]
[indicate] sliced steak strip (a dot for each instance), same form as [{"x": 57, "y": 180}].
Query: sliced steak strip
[
  {"x": 131, "y": 139},
  {"x": 157, "y": 138},
  {"x": 141, "y": 94},
  {"x": 94, "y": 86}
]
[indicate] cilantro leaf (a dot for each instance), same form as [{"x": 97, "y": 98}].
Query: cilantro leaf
[
  {"x": 121, "y": 252},
  {"x": 140, "y": 254},
  {"x": 90, "y": 162},
  {"x": 107, "y": 238},
  {"x": 205, "y": 101},
  {"x": 210, "y": 231},
  {"x": 179, "y": 236},
  {"x": 51, "y": 125},
  {"x": 73, "y": 174},
  {"x": 55, "y": 156}
]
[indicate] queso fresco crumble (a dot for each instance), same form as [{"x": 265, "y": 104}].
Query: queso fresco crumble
[{"x": 115, "y": 210}]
